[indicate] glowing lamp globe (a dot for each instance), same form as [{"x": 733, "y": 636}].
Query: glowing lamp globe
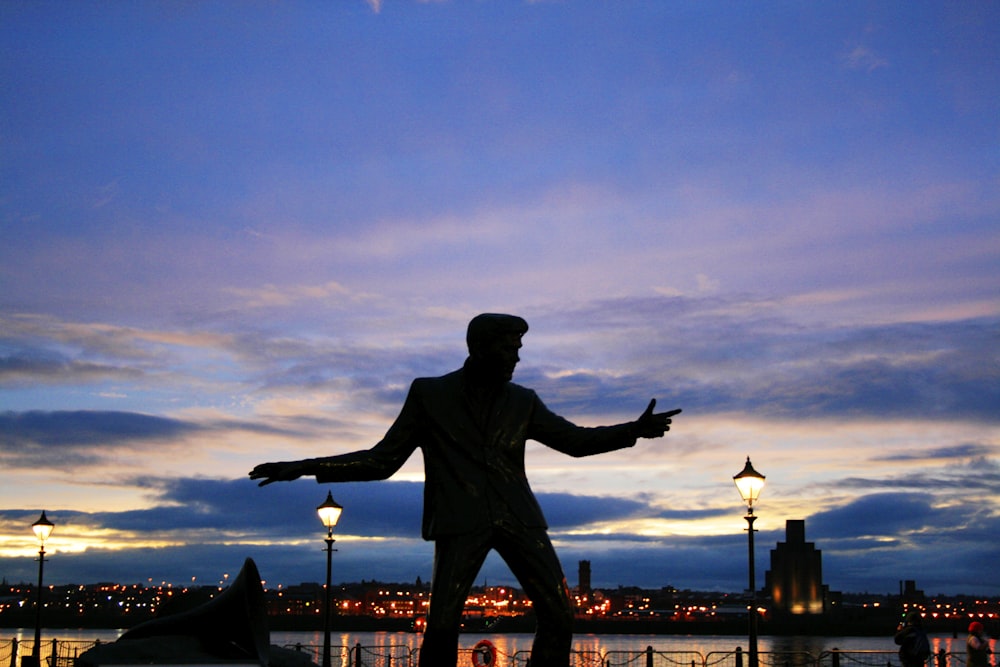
[
  {"x": 329, "y": 512},
  {"x": 42, "y": 528},
  {"x": 749, "y": 482}
]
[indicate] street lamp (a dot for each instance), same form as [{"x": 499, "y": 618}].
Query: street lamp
[
  {"x": 329, "y": 513},
  {"x": 749, "y": 482},
  {"x": 42, "y": 529}
]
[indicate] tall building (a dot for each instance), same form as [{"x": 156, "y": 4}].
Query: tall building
[
  {"x": 910, "y": 594},
  {"x": 795, "y": 579},
  {"x": 584, "y": 577}
]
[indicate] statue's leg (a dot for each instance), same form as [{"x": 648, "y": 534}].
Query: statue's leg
[
  {"x": 533, "y": 560},
  {"x": 456, "y": 563}
]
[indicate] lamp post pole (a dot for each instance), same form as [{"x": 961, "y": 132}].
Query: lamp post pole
[
  {"x": 749, "y": 482},
  {"x": 42, "y": 529},
  {"x": 752, "y": 605},
  {"x": 326, "y": 603},
  {"x": 329, "y": 513}
]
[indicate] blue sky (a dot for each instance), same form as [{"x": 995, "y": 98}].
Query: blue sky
[{"x": 234, "y": 232}]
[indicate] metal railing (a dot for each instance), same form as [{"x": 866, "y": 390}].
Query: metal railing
[
  {"x": 52, "y": 652},
  {"x": 838, "y": 658}
]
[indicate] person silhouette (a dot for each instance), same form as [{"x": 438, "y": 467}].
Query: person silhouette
[
  {"x": 977, "y": 646},
  {"x": 472, "y": 425},
  {"x": 914, "y": 647}
]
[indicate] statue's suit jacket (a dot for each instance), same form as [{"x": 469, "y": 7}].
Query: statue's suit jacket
[{"x": 473, "y": 463}]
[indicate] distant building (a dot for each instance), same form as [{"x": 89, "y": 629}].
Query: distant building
[
  {"x": 909, "y": 594},
  {"x": 584, "y": 578},
  {"x": 795, "y": 580}
]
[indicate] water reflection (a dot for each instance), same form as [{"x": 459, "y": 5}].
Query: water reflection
[
  {"x": 510, "y": 644},
  {"x": 797, "y": 644},
  {"x": 513, "y": 643}
]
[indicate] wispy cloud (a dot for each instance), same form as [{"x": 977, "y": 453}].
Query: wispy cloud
[
  {"x": 271, "y": 296},
  {"x": 863, "y": 57}
]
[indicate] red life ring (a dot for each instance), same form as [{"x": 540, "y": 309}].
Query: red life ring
[{"x": 484, "y": 654}]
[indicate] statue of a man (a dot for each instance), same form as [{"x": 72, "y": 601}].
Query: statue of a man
[{"x": 472, "y": 425}]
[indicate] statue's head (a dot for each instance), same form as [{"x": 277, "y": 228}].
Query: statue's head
[{"x": 493, "y": 341}]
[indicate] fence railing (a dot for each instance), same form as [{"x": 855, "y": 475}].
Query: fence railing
[
  {"x": 52, "y": 652},
  {"x": 63, "y": 653}
]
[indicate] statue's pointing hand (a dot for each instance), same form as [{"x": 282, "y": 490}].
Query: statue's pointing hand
[{"x": 653, "y": 425}]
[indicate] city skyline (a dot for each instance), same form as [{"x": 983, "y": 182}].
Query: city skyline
[{"x": 235, "y": 232}]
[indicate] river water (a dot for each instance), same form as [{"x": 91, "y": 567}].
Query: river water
[{"x": 509, "y": 644}]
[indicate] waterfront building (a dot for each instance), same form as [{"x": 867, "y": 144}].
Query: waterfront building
[
  {"x": 583, "y": 577},
  {"x": 795, "y": 580}
]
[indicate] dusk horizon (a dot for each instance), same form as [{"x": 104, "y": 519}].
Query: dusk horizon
[
  {"x": 235, "y": 233},
  {"x": 900, "y": 589}
]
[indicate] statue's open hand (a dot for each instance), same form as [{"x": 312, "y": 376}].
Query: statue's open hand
[
  {"x": 653, "y": 425},
  {"x": 276, "y": 472}
]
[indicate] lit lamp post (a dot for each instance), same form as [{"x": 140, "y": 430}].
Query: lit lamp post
[
  {"x": 329, "y": 513},
  {"x": 750, "y": 482},
  {"x": 42, "y": 529}
]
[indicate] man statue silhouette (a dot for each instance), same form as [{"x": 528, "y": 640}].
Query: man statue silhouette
[{"x": 472, "y": 425}]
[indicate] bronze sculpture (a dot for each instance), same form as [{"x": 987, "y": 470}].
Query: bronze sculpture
[{"x": 472, "y": 425}]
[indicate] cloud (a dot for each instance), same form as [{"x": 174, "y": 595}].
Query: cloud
[
  {"x": 876, "y": 515},
  {"x": 85, "y": 428},
  {"x": 763, "y": 363},
  {"x": 372, "y": 509},
  {"x": 875, "y": 540},
  {"x": 867, "y": 544},
  {"x": 51, "y": 337},
  {"x": 970, "y": 474},
  {"x": 863, "y": 57},
  {"x": 71, "y": 439},
  {"x": 74, "y": 440},
  {"x": 274, "y": 296},
  {"x": 43, "y": 367},
  {"x": 566, "y": 510},
  {"x": 221, "y": 518},
  {"x": 961, "y": 451}
]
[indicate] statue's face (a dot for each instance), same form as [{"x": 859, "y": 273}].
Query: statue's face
[{"x": 499, "y": 356}]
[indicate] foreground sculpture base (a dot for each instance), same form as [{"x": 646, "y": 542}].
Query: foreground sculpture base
[
  {"x": 229, "y": 629},
  {"x": 179, "y": 650}
]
